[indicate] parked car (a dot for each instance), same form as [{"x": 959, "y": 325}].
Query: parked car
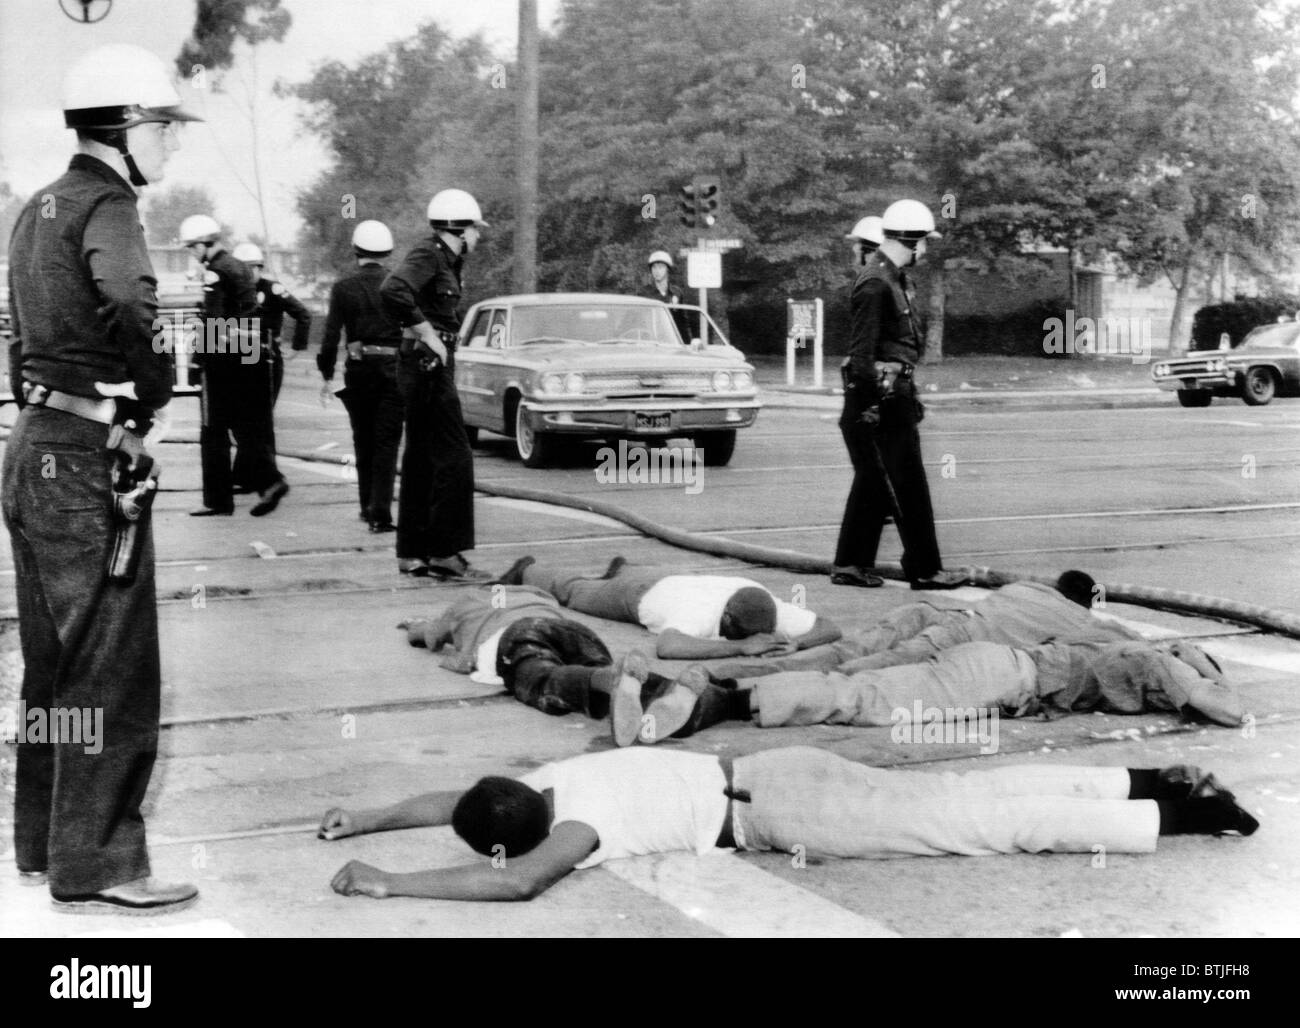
[
  {"x": 1265, "y": 364},
  {"x": 546, "y": 368}
]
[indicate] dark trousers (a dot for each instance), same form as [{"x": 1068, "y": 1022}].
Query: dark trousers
[
  {"x": 899, "y": 445},
  {"x": 435, "y": 516},
  {"x": 374, "y": 407},
  {"x": 245, "y": 465},
  {"x": 616, "y": 599},
  {"x": 88, "y": 645},
  {"x": 236, "y": 402}
]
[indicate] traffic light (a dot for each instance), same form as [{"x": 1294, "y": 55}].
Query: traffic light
[
  {"x": 707, "y": 197},
  {"x": 688, "y": 206},
  {"x": 700, "y": 202}
]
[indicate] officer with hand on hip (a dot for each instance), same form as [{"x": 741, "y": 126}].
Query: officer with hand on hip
[
  {"x": 435, "y": 520},
  {"x": 370, "y": 393},
  {"x": 881, "y": 411},
  {"x": 84, "y": 301}
]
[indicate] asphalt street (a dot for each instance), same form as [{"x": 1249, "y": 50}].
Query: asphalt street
[{"x": 287, "y": 689}]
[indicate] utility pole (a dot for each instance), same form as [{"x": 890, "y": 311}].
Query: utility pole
[{"x": 525, "y": 272}]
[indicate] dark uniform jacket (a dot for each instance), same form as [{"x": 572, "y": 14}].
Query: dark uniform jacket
[
  {"x": 685, "y": 320},
  {"x": 426, "y": 286},
  {"x": 357, "y": 311},
  {"x": 83, "y": 291},
  {"x": 229, "y": 291},
  {"x": 884, "y": 325},
  {"x": 273, "y": 301}
]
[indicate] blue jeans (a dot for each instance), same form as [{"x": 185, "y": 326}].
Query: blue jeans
[{"x": 88, "y": 644}]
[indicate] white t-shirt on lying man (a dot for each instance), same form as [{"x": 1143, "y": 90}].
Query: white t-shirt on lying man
[{"x": 693, "y": 604}]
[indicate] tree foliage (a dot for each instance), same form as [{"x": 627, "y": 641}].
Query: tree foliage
[{"x": 219, "y": 24}]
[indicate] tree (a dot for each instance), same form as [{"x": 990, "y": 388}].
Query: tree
[
  {"x": 218, "y": 26},
  {"x": 164, "y": 210}
]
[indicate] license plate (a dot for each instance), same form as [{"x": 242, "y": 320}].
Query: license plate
[{"x": 653, "y": 419}]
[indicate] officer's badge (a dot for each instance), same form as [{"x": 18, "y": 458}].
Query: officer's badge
[
  {"x": 261, "y": 297},
  {"x": 210, "y": 279},
  {"x": 277, "y": 289}
]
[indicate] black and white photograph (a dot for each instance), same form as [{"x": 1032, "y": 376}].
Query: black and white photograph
[{"x": 651, "y": 469}]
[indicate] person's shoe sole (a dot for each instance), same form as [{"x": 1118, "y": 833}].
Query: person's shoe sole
[
  {"x": 861, "y": 581},
  {"x": 33, "y": 878},
  {"x": 108, "y": 905},
  {"x": 671, "y": 711},
  {"x": 209, "y": 512},
  {"x": 625, "y": 713}
]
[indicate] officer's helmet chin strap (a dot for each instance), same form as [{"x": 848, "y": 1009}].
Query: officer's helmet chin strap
[{"x": 117, "y": 140}]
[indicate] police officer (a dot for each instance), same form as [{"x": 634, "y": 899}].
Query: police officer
[
  {"x": 84, "y": 303},
  {"x": 866, "y": 237},
  {"x": 435, "y": 520},
  {"x": 236, "y": 379},
  {"x": 370, "y": 393},
  {"x": 273, "y": 302},
  {"x": 881, "y": 412},
  {"x": 661, "y": 288}
]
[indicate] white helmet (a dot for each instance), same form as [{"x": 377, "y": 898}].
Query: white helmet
[
  {"x": 660, "y": 257},
  {"x": 455, "y": 208},
  {"x": 908, "y": 220},
  {"x": 118, "y": 87},
  {"x": 373, "y": 237},
  {"x": 249, "y": 253},
  {"x": 199, "y": 228},
  {"x": 868, "y": 230}
]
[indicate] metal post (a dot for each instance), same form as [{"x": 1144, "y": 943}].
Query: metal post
[
  {"x": 704, "y": 321},
  {"x": 525, "y": 270},
  {"x": 790, "y": 343},
  {"x": 817, "y": 348}
]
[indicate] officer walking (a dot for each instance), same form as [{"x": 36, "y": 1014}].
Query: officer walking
[
  {"x": 273, "y": 302},
  {"x": 236, "y": 381},
  {"x": 881, "y": 412},
  {"x": 83, "y": 295},
  {"x": 661, "y": 288},
  {"x": 370, "y": 393},
  {"x": 435, "y": 520}
]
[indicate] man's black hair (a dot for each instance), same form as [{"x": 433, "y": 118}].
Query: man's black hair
[
  {"x": 501, "y": 812},
  {"x": 1077, "y": 586},
  {"x": 751, "y": 611}
]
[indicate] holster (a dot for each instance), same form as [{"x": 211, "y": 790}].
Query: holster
[
  {"x": 135, "y": 485},
  {"x": 413, "y": 345}
]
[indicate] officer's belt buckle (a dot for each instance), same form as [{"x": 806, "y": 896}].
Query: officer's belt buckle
[{"x": 99, "y": 411}]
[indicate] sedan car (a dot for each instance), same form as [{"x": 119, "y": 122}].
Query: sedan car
[
  {"x": 1265, "y": 364},
  {"x": 546, "y": 368}
]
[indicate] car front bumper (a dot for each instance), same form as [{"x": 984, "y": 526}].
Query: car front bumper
[
  {"x": 641, "y": 419},
  {"x": 1222, "y": 381}
]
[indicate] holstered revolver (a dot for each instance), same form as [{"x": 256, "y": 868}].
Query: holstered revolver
[{"x": 135, "y": 486}]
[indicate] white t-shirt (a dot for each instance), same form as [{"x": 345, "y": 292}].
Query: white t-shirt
[
  {"x": 485, "y": 661},
  {"x": 638, "y": 801},
  {"x": 693, "y": 605}
]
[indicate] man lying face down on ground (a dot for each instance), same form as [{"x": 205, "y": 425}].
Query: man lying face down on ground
[
  {"x": 579, "y": 812},
  {"x": 1021, "y": 614},
  {"x": 696, "y": 617}
]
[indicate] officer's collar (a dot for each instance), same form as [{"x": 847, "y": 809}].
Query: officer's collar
[{"x": 98, "y": 168}]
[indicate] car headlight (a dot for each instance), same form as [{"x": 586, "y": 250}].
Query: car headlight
[
  {"x": 573, "y": 382},
  {"x": 721, "y": 381},
  {"x": 1219, "y": 365},
  {"x": 1162, "y": 369},
  {"x": 551, "y": 382},
  {"x": 742, "y": 381}
]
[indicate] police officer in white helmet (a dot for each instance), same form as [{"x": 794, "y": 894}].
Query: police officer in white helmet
[
  {"x": 662, "y": 288},
  {"x": 866, "y": 237},
  {"x": 435, "y": 520},
  {"x": 370, "y": 394},
  {"x": 83, "y": 295},
  {"x": 881, "y": 412}
]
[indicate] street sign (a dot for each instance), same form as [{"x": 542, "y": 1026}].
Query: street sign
[
  {"x": 719, "y": 245},
  {"x": 804, "y": 320},
  {"x": 703, "y": 270},
  {"x": 801, "y": 318}
]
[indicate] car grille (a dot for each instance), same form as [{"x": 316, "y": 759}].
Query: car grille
[
  {"x": 671, "y": 383},
  {"x": 1189, "y": 368}
]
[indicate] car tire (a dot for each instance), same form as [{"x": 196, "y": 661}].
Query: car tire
[
  {"x": 717, "y": 447},
  {"x": 532, "y": 448},
  {"x": 1195, "y": 397},
  {"x": 1259, "y": 387}
]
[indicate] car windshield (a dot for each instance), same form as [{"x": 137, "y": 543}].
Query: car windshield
[
  {"x": 1286, "y": 334},
  {"x": 595, "y": 324}
]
